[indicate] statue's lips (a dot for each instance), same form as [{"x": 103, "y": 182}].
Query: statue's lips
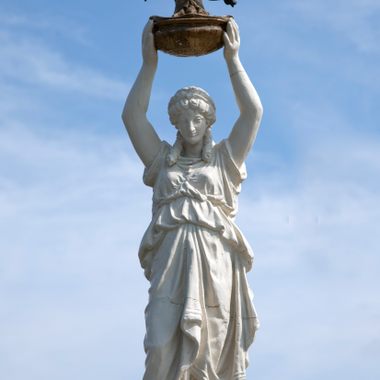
[
  {"x": 189, "y": 36},
  {"x": 192, "y": 135}
]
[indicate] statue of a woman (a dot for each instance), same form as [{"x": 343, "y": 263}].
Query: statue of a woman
[{"x": 200, "y": 320}]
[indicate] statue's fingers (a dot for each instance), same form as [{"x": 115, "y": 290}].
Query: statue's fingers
[
  {"x": 226, "y": 39},
  {"x": 229, "y": 30},
  {"x": 148, "y": 27},
  {"x": 233, "y": 21},
  {"x": 235, "y": 30},
  {"x": 145, "y": 33}
]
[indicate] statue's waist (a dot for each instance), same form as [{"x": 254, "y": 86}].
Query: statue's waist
[{"x": 213, "y": 200}]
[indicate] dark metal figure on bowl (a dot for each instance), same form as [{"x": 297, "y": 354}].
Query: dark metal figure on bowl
[{"x": 194, "y": 7}]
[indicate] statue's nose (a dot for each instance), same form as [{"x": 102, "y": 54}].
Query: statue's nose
[{"x": 192, "y": 127}]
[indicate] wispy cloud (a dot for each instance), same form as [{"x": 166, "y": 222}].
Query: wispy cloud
[
  {"x": 67, "y": 203},
  {"x": 317, "y": 255},
  {"x": 67, "y": 243},
  {"x": 357, "y": 20},
  {"x": 28, "y": 60},
  {"x": 34, "y": 22}
]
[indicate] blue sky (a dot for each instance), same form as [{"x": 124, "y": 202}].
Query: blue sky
[{"x": 73, "y": 207}]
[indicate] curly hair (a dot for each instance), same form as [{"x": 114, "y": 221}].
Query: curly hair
[{"x": 194, "y": 98}]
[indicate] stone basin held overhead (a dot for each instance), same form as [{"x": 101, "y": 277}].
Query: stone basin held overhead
[{"x": 191, "y": 31}]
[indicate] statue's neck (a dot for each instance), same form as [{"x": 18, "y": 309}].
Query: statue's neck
[{"x": 193, "y": 150}]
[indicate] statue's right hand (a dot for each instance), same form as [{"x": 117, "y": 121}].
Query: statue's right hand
[{"x": 149, "y": 51}]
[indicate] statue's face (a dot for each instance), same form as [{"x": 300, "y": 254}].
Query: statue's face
[{"x": 192, "y": 126}]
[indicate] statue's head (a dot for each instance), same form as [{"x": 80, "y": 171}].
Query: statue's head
[
  {"x": 192, "y": 112},
  {"x": 193, "y": 98}
]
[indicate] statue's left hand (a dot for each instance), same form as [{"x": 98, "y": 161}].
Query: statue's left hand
[
  {"x": 231, "y": 40},
  {"x": 149, "y": 51}
]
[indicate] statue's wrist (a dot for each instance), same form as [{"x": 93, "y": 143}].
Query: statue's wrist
[
  {"x": 150, "y": 63},
  {"x": 232, "y": 57}
]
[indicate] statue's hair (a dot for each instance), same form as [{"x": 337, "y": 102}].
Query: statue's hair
[
  {"x": 208, "y": 143},
  {"x": 194, "y": 98},
  {"x": 176, "y": 149}
]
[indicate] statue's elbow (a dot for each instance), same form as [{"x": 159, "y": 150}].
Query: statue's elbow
[
  {"x": 126, "y": 116},
  {"x": 260, "y": 111}
]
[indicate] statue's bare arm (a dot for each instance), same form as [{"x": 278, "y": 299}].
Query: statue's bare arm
[
  {"x": 245, "y": 129},
  {"x": 141, "y": 132}
]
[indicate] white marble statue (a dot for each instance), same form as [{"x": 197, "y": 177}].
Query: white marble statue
[{"x": 200, "y": 320}]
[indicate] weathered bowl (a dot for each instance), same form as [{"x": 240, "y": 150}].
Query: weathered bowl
[{"x": 189, "y": 36}]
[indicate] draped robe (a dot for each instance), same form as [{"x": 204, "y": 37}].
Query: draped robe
[{"x": 200, "y": 319}]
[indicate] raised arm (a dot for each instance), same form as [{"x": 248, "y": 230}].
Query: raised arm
[
  {"x": 142, "y": 134},
  {"x": 245, "y": 129}
]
